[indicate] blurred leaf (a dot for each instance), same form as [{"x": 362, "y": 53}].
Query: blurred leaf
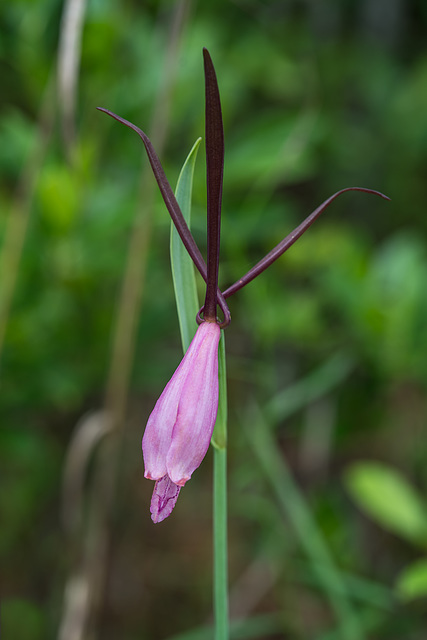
[
  {"x": 275, "y": 150},
  {"x": 22, "y": 620},
  {"x": 386, "y": 496},
  {"x": 294, "y": 506},
  {"x": 16, "y": 138},
  {"x": 412, "y": 582},
  {"x": 316, "y": 384},
  {"x": 59, "y": 197},
  {"x": 395, "y": 290}
]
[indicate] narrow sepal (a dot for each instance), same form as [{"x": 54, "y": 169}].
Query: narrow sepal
[
  {"x": 214, "y": 177},
  {"x": 290, "y": 239},
  {"x": 172, "y": 207}
]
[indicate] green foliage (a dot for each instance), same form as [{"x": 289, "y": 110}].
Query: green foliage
[
  {"x": 331, "y": 342},
  {"x": 389, "y": 499},
  {"x": 412, "y": 582},
  {"x": 58, "y": 193}
]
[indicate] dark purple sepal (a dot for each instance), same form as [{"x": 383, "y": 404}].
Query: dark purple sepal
[
  {"x": 292, "y": 237},
  {"x": 214, "y": 178},
  {"x": 173, "y": 207}
]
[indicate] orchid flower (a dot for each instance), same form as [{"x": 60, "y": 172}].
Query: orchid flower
[{"x": 180, "y": 426}]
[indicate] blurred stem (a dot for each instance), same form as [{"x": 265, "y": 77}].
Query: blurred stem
[
  {"x": 131, "y": 294},
  {"x": 312, "y": 387},
  {"x": 69, "y": 55},
  {"x": 219, "y": 442},
  {"x": 19, "y": 216},
  {"x": 297, "y": 511},
  {"x": 117, "y": 388}
]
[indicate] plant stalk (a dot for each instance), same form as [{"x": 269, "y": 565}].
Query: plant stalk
[{"x": 220, "y": 544}]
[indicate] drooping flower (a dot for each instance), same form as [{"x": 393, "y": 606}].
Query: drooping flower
[{"x": 180, "y": 427}]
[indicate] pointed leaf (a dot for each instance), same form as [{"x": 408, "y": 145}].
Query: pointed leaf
[{"x": 184, "y": 279}]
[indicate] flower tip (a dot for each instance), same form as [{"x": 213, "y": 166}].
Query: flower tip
[
  {"x": 377, "y": 193},
  {"x": 164, "y": 499},
  {"x": 181, "y": 482},
  {"x": 207, "y": 58}
]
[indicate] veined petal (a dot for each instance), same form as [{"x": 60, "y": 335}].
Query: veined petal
[
  {"x": 164, "y": 498},
  {"x": 197, "y": 408},
  {"x": 158, "y": 432}
]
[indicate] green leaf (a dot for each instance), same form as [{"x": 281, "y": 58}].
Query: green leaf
[
  {"x": 187, "y": 304},
  {"x": 184, "y": 279},
  {"x": 412, "y": 582},
  {"x": 386, "y": 496}
]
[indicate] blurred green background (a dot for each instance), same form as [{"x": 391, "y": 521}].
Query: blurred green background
[{"x": 326, "y": 351}]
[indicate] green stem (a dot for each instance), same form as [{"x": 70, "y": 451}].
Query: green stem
[
  {"x": 219, "y": 442},
  {"x": 220, "y": 544}
]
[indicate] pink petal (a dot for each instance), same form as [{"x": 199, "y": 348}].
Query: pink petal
[
  {"x": 164, "y": 498},
  {"x": 158, "y": 432},
  {"x": 197, "y": 408}
]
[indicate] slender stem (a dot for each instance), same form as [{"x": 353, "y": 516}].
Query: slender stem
[
  {"x": 220, "y": 544},
  {"x": 214, "y": 173},
  {"x": 219, "y": 443},
  {"x": 219, "y": 436},
  {"x": 292, "y": 237}
]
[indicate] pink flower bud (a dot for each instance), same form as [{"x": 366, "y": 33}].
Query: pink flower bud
[{"x": 180, "y": 427}]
